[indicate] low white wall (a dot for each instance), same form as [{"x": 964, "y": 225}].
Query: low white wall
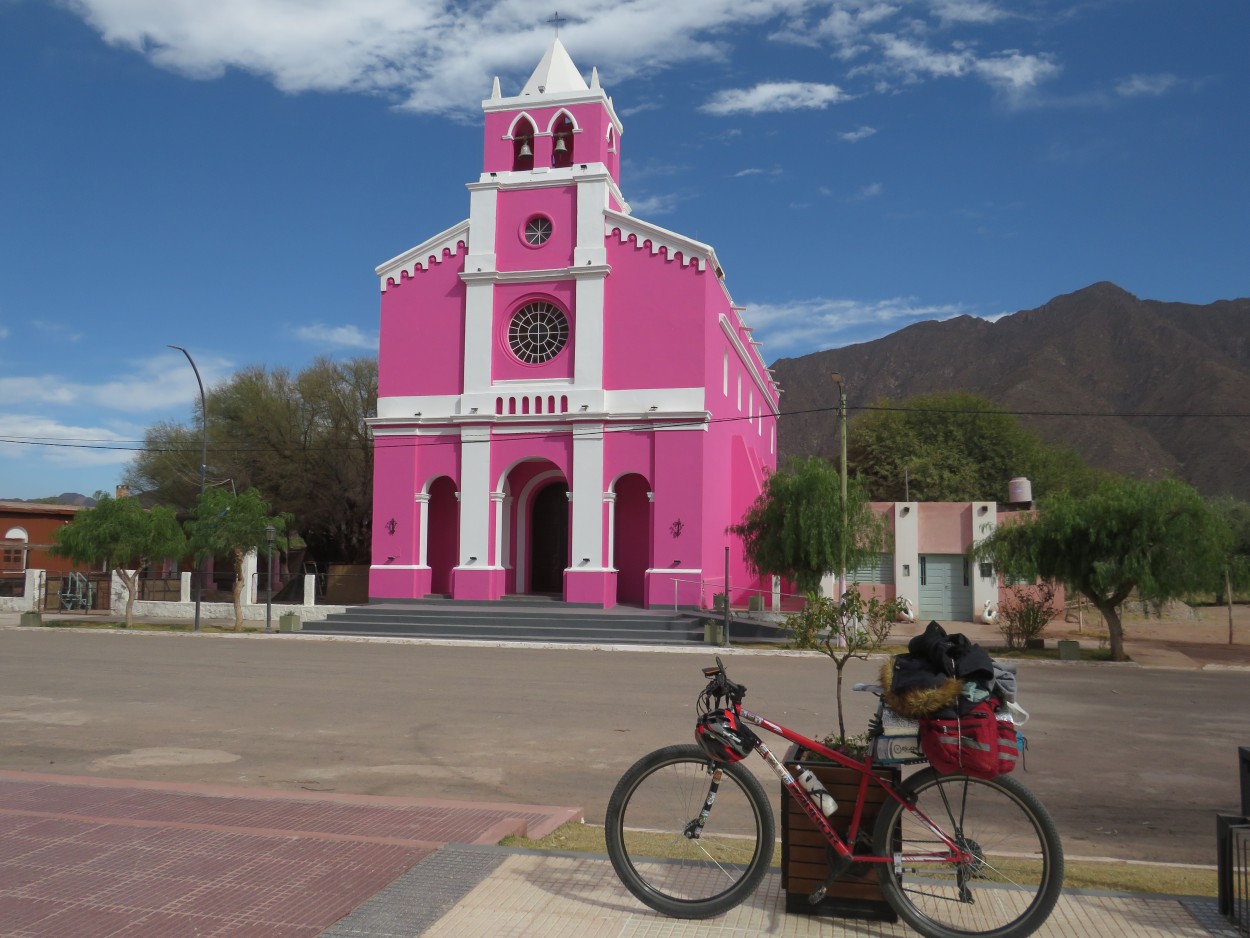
[
  {"x": 32, "y": 590},
  {"x": 252, "y": 611}
]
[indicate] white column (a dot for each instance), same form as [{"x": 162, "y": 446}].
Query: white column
[
  {"x": 249, "y": 576},
  {"x": 184, "y": 587},
  {"x": 474, "y": 495},
  {"x": 423, "y": 525},
  {"x": 984, "y": 589},
  {"x": 609, "y": 502},
  {"x": 587, "y": 494},
  {"x": 479, "y": 301},
  {"x": 496, "y": 504},
  {"x": 590, "y": 251}
]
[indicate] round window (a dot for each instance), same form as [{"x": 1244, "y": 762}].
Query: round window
[
  {"x": 537, "y": 333},
  {"x": 537, "y": 230}
]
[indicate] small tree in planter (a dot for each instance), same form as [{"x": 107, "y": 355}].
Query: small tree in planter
[{"x": 843, "y": 629}]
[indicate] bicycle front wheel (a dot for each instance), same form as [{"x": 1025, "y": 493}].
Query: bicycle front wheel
[
  {"x": 662, "y": 854},
  {"x": 1012, "y": 881}
]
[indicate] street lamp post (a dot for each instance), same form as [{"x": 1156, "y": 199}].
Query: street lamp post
[
  {"x": 842, "y": 540},
  {"x": 199, "y": 573},
  {"x": 270, "y": 531}
]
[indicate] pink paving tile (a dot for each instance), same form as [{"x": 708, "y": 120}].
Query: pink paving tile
[
  {"x": 84, "y": 921},
  {"x": 151, "y": 893},
  {"x": 165, "y": 925},
  {"x": 13, "y": 876},
  {"x": 170, "y": 859},
  {"x": 72, "y": 885},
  {"x": 17, "y": 913}
]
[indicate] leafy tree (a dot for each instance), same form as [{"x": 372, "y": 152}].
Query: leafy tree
[
  {"x": 225, "y": 523},
  {"x": 843, "y": 629},
  {"x": 299, "y": 438},
  {"x": 1237, "y": 514},
  {"x": 794, "y": 528},
  {"x": 955, "y": 447},
  {"x": 122, "y": 536},
  {"x": 1158, "y": 538}
]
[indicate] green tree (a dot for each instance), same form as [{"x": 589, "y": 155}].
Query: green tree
[
  {"x": 955, "y": 447},
  {"x": 225, "y": 523},
  {"x": 841, "y": 630},
  {"x": 1237, "y": 515},
  {"x": 1158, "y": 538},
  {"x": 794, "y": 529},
  {"x": 300, "y": 438},
  {"x": 124, "y": 537}
]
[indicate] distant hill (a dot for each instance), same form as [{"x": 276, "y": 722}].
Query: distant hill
[
  {"x": 65, "y": 498},
  {"x": 1099, "y": 350}
]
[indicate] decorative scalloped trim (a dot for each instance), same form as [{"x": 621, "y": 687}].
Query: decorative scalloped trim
[
  {"x": 675, "y": 249},
  {"x": 438, "y": 249}
]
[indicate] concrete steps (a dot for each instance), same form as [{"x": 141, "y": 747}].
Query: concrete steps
[{"x": 524, "y": 619}]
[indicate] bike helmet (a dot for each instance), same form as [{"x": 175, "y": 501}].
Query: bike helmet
[{"x": 722, "y": 737}]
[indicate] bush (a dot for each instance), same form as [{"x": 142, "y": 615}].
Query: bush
[{"x": 1026, "y": 612}]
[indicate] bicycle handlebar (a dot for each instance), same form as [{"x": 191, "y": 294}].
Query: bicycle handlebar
[{"x": 719, "y": 686}]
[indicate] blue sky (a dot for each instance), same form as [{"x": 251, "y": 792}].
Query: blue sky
[{"x": 226, "y": 175}]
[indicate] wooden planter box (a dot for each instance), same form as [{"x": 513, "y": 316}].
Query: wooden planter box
[{"x": 804, "y": 866}]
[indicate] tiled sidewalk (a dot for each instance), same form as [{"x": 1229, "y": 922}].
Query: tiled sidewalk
[{"x": 83, "y": 857}]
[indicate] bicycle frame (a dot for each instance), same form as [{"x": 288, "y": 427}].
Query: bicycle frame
[{"x": 953, "y": 854}]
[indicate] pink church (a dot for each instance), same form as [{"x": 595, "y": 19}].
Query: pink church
[{"x": 569, "y": 403}]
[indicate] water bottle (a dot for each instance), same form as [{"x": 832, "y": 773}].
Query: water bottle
[{"x": 817, "y": 792}]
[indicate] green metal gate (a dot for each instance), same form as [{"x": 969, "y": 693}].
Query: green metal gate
[{"x": 945, "y": 587}]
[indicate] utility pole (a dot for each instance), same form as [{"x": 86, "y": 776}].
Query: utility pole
[{"x": 837, "y": 377}]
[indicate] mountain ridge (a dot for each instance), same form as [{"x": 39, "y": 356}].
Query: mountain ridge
[{"x": 1099, "y": 350}]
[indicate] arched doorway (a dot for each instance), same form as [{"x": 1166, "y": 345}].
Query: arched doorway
[
  {"x": 631, "y": 539},
  {"x": 549, "y": 538},
  {"x": 442, "y": 534}
]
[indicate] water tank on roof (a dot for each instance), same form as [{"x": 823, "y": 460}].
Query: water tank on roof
[{"x": 1019, "y": 491}]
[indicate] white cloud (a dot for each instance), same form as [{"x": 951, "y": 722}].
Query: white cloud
[
  {"x": 65, "y": 444},
  {"x": 147, "y": 385},
  {"x": 803, "y": 326},
  {"x": 439, "y": 58},
  {"x": 1138, "y": 85},
  {"x": 773, "y": 96},
  {"x": 1015, "y": 72},
  {"x": 4, "y": 333},
  {"x": 860, "y": 133},
  {"x": 967, "y": 11},
  {"x": 663, "y": 204},
  {"x": 756, "y": 171},
  {"x": 337, "y": 336},
  {"x": 870, "y": 191}
]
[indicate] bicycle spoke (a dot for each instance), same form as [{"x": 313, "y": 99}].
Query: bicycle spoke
[{"x": 1010, "y": 868}]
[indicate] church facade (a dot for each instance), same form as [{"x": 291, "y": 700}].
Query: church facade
[{"x": 569, "y": 402}]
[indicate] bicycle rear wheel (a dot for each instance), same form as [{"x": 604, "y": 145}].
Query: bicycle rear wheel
[
  {"x": 653, "y": 842},
  {"x": 1013, "y": 881}
]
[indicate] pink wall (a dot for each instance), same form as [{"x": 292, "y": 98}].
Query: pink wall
[
  {"x": 944, "y": 527},
  {"x": 424, "y": 311},
  {"x": 509, "y": 297},
  {"x": 654, "y": 320},
  {"x": 515, "y": 208}
]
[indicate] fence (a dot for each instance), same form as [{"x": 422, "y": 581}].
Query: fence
[
  {"x": 1232, "y": 838},
  {"x": 77, "y": 592},
  {"x": 12, "y": 585}
]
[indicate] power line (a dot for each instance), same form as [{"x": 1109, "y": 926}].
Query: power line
[{"x": 97, "y": 443}]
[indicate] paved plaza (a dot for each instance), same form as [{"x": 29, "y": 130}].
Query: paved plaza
[{"x": 131, "y": 827}]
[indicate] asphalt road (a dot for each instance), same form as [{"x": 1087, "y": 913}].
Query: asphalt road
[{"x": 1134, "y": 763}]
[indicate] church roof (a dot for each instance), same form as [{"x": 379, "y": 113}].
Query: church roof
[{"x": 556, "y": 73}]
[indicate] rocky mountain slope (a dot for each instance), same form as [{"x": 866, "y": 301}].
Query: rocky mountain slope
[{"x": 1170, "y": 382}]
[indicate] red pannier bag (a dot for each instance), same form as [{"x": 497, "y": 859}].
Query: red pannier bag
[{"x": 977, "y": 743}]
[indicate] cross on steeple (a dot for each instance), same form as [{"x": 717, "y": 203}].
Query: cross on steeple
[{"x": 558, "y": 19}]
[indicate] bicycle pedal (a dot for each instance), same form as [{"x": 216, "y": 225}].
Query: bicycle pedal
[{"x": 837, "y": 867}]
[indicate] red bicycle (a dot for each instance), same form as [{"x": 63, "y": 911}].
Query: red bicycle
[{"x": 690, "y": 831}]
